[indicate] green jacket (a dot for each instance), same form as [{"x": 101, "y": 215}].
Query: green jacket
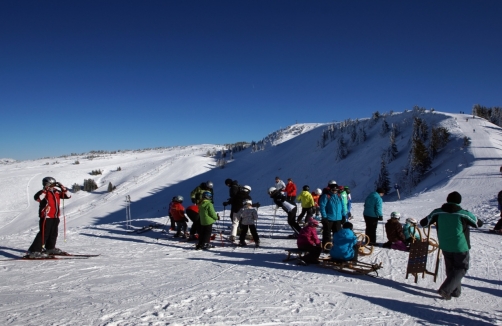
[
  {"x": 343, "y": 195},
  {"x": 206, "y": 212},
  {"x": 196, "y": 194},
  {"x": 306, "y": 199},
  {"x": 452, "y": 223}
]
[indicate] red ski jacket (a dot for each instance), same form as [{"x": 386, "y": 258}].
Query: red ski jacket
[{"x": 49, "y": 200}]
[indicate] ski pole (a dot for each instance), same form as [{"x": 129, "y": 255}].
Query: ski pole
[{"x": 64, "y": 221}]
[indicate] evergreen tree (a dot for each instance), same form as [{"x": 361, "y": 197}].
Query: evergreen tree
[
  {"x": 342, "y": 149},
  {"x": 385, "y": 128},
  {"x": 392, "y": 150},
  {"x": 361, "y": 135},
  {"x": 383, "y": 178},
  {"x": 420, "y": 161},
  {"x": 110, "y": 187}
]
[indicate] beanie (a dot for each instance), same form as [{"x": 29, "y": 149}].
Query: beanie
[
  {"x": 380, "y": 190},
  {"x": 228, "y": 182},
  {"x": 454, "y": 197},
  {"x": 347, "y": 225}
]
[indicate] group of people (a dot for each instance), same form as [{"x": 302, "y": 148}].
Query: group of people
[{"x": 332, "y": 204}]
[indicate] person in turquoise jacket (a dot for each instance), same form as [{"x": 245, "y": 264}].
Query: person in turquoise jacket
[
  {"x": 345, "y": 245},
  {"x": 373, "y": 213},
  {"x": 332, "y": 210},
  {"x": 207, "y": 218},
  {"x": 452, "y": 224},
  {"x": 345, "y": 202}
]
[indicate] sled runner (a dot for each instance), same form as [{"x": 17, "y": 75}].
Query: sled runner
[
  {"x": 352, "y": 267},
  {"x": 296, "y": 253}
]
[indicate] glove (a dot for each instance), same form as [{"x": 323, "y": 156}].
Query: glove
[
  {"x": 63, "y": 188},
  {"x": 257, "y": 205},
  {"x": 225, "y": 203},
  {"x": 380, "y": 218}
]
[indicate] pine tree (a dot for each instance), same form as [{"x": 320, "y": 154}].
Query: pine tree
[
  {"x": 383, "y": 178},
  {"x": 361, "y": 135},
  {"x": 110, "y": 187},
  {"x": 342, "y": 149},
  {"x": 392, "y": 150},
  {"x": 420, "y": 161},
  {"x": 385, "y": 128}
]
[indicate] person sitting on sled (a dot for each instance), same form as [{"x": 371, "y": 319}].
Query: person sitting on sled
[
  {"x": 410, "y": 231},
  {"x": 309, "y": 241},
  {"x": 345, "y": 244},
  {"x": 394, "y": 231}
]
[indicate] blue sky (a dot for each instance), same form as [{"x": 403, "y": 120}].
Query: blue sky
[{"x": 88, "y": 75}]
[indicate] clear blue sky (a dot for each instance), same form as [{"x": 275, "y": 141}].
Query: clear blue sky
[{"x": 87, "y": 75}]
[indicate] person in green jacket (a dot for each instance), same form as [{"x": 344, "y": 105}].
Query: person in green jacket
[
  {"x": 345, "y": 201},
  {"x": 452, "y": 224},
  {"x": 207, "y": 217},
  {"x": 373, "y": 213}
]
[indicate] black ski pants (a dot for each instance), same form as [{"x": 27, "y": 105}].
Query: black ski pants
[
  {"x": 328, "y": 228},
  {"x": 195, "y": 218},
  {"x": 457, "y": 264},
  {"x": 309, "y": 211},
  {"x": 371, "y": 227},
  {"x": 313, "y": 254},
  {"x": 47, "y": 236},
  {"x": 292, "y": 220},
  {"x": 205, "y": 232},
  {"x": 244, "y": 231}
]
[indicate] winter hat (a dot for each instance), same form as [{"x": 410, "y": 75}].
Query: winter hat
[
  {"x": 228, "y": 182},
  {"x": 348, "y": 225},
  {"x": 380, "y": 190},
  {"x": 454, "y": 197}
]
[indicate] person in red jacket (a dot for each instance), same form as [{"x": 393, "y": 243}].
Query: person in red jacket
[
  {"x": 309, "y": 241},
  {"x": 192, "y": 212},
  {"x": 290, "y": 192},
  {"x": 49, "y": 211},
  {"x": 177, "y": 211}
]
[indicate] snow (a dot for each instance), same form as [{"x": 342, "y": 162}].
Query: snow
[{"x": 154, "y": 279}]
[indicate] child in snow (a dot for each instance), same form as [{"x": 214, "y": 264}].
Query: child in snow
[
  {"x": 345, "y": 244},
  {"x": 410, "y": 231},
  {"x": 307, "y": 204},
  {"x": 49, "y": 211},
  {"x": 207, "y": 218},
  {"x": 248, "y": 217},
  {"x": 192, "y": 212},
  {"x": 178, "y": 213},
  {"x": 308, "y": 241},
  {"x": 394, "y": 231},
  {"x": 315, "y": 196}
]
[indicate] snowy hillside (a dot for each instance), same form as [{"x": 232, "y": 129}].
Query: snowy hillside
[{"x": 153, "y": 279}]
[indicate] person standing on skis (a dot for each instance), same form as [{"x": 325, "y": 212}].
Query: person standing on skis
[{"x": 49, "y": 211}]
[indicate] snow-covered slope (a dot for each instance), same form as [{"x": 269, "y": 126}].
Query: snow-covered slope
[{"x": 149, "y": 279}]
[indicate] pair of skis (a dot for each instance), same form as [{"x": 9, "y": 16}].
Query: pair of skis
[{"x": 53, "y": 257}]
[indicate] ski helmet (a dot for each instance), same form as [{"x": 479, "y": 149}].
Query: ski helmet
[
  {"x": 247, "y": 202},
  {"x": 395, "y": 215},
  {"x": 207, "y": 195},
  {"x": 209, "y": 184},
  {"x": 306, "y": 188},
  {"x": 48, "y": 181},
  {"x": 246, "y": 188},
  {"x": 332, "y": 184},
  {"x": 318, "y": 191},
  {"x": 271, "y": 190},
  {"x": 411, "y": 220},
  {"x": 179, "y": 199}
]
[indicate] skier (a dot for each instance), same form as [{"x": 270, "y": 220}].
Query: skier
[
  {"x": 290, "y": 190},
  {"x": 498, "y": 226},
  {"x": 452, "y": 224},
  {"x": 49, "y": 211},
  {"x": 410, "y": 231},
  {"x": 345, "y": 244},
  {"x": 248, "y": 216},
  {"x": 192, "y": 212},
  {"x": 178, "y": 213},
  {"x": 373, "y": 213},
  {"x": 332, "y": 211},
  {"x": 237, "y": 203},
  {"x": 308, "y": 241},
  {"x": 280, "y": 200},
  {"x": 207, "y": 218},
  {"x": 308, "y": 205},
  {"x": 196, "y": 194},
  {"x": 394, "y": 231},
  {"x": 279, "y": 184}
]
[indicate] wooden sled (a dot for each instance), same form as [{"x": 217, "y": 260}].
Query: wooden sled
[
  {"x": 365, "y": 249},
  {"x": 351, "y": 267},
  {"x": 418, "y": 254}
]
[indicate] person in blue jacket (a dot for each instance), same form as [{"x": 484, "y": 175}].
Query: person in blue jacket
[
  {"x": 373, "y": 213},
  {"x": 345, "y": 245},
  {"x": 332, "y": 210}
]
